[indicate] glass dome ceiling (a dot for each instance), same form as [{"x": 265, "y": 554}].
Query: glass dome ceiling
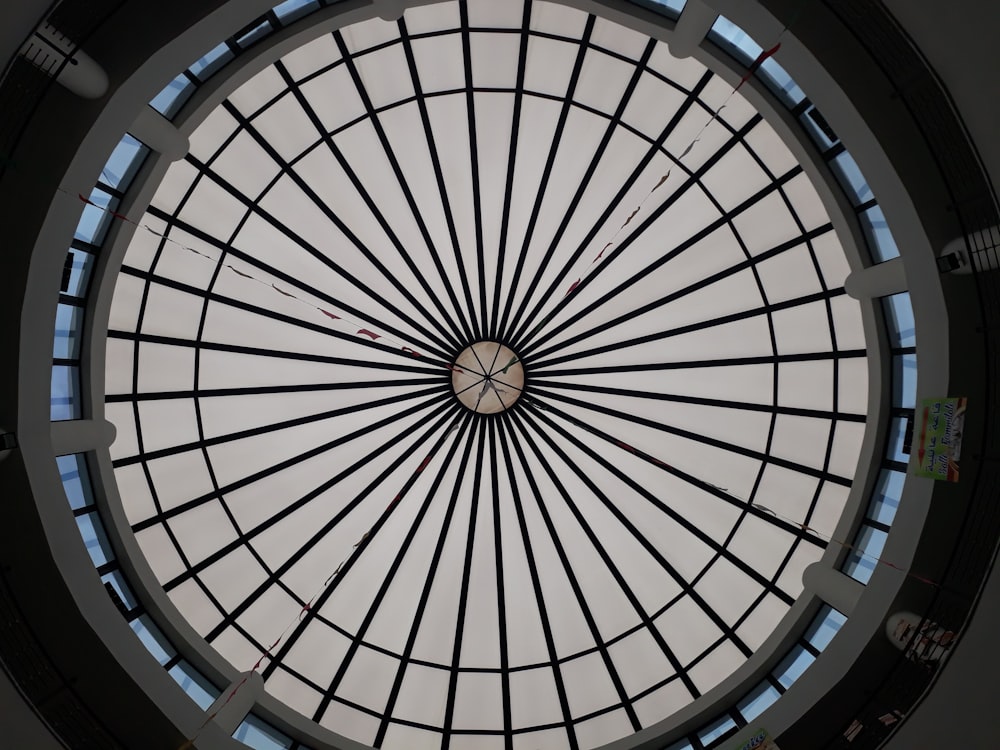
[{"x": 683, "y": 379}]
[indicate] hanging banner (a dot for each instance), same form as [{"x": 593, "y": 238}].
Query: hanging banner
[
  {"x": 939, "y": 441},
  {"x": 759, "y": 740}
]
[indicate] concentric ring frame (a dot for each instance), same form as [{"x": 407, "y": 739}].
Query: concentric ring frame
[{"x": 327, "y": 20}]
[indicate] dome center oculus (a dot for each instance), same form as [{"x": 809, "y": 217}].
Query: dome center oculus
[{"x": 488, "y": 377}]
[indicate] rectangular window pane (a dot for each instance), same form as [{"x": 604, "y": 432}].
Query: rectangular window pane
[
  {"x": 734, "y": 40},
  {"x": 154, "y": 641},
  {"x": 96, "y": 218},
  {"x": 904, "y": 381},
  {"x": 885, "y": 498},
  {"x": 782, "y": 84},
  {"x": 214, "y": 59},
  {"x": 69, "y": 320},
  {"x": 118, "y": 583},
  {"x": 793, "y": 665},
  {"x": 824, "y": 627},
  {"x": 867, "y": 549},
  {"x": 818, "y": 129},
  {"x": 758, "y": 700},
  {"x": 65, "y": 393},
  {"x": 880, "y": 240},
  {"x": 252, "y": 35},
  {"x": 76, "y": 481},
  {"x": 849, "y": 174},
  {"x": 77, "y": 273},
  {"x": 898, "y": 450},
  {"x": 92, "y": 531},
  {"x": 195, "y": 684},
  {"x": 172, "y": 98},
  {"x": 124, "y": 163},
  {"x": 716, "y": 729},
  {"x": 289, "y": 10},
  {"x": 260, "y": 735},
  {"x": 899, "y": 320}
]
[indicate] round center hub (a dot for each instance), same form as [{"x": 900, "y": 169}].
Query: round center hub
[{"x": 487, "y": 377}]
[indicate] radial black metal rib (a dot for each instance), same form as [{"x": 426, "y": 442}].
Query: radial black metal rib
[
  {"x": 508, "y": 722},
  {"x": 470, "y": 101},
  {"x": 257, "y": 352},
  {"x": 602, "y": 552},
  {"x": 767, "y": 359},
  {"x": 749, "y": 263},
  {"x": 443, "y": 413},
  {"x": 337, "y": 577},
  {"x": 268, "y": 390},
  {"x": 524, "y": 344},
  {"x": 547, "y": 173},
  {"x": 515, "y": 129},
  {"x": 405, "y": 656},
  {"x": 397, "y": 561},
  {"x": 290, "y": 170},
  {"x": 463, "y": 596},
  {"x": 542, "y": 410},
  {"x": 613, "y": 124},
  {"x": 691, "y": 327},
  {"x": 537, "y": 587},
  {"x": 615, "y": 202},
  {"x": 265, "y": 312},
  {"x": 443, "y": 404},
  {"x": 574, "y": 582},
  {"x": 438, "y": 174},
  {"x": 319, "y": 255},
  {"x": 699, "y": 438},
  {"x": 540, "y": 385}
]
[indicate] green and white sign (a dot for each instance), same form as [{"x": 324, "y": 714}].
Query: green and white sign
[{"x": 939, "y": 443}]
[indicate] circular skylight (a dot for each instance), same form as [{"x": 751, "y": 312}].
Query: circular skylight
[{"x": 469, "y": 395}]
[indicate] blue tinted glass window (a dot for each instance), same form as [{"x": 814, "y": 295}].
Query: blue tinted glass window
[
  {"x": 172, "y": 98},
  {"x": 758, "y": 700},
  {"x": 69, "y": 319},
  {"x": 292, "y": 9},
  {"x": 124, "y": 163},
  {"x": 818, "y": 128},
  {"x": 897, "y": 440},
  {"x": 76, "y": 481},
  {"x": 681, "y": 745},
  {"x": 716, "y": 729},
  {"x": 793, "y": 665},
  {"x": 824, "y": 627},
  {"x": 734, "y": 40},
  {"x": 117, "y": 581},
  {"x": 777, "y": 79},
  {"x": 885, "y": 498},
  {"x": 65, "y": 393},
  {"x": 880, "y": 240},
  {"x": 904, "y": 380},
  {"x": 849, "y": 174},
  {"x": 195, "y": 684},
  {"x": 209, "y": 63},
  {"x": 899, "y": 320},
  {"x": 257, "y": 32},
  {"x": 864, "y": 557},
  {"x": 95, "y": 219},
  {"x": 92, "y": 531},
  {"x": 260, "y": 735},
  {"x": 154, "y": 641},
  {"x": 80, "y": 263}
]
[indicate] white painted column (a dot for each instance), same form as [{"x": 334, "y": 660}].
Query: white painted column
[
  {"x": 879, "y": 280},
  {"x": 236, "y": 701},
  {"x": 157, "y": 132},
  {"x": 389, "y": 10},
  {"x": 79, "y": 435},
  {"x": 837, "y": 589},
  {"x": 694, "y": 24},
  {"x": 48, "y": 49}
]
